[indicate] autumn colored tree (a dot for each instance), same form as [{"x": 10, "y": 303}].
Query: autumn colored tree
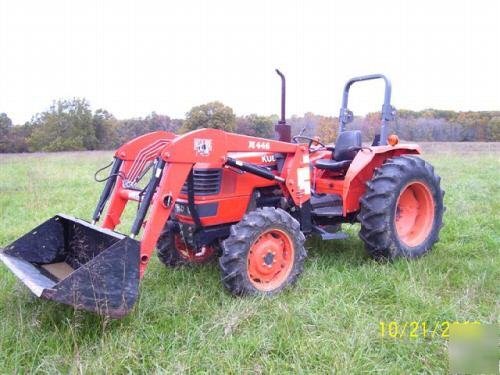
[
  {"x": 327, "y": 129},
  {"x": 71, "y": 125}
]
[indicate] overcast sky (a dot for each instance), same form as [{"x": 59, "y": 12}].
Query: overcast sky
[{"x": 134, "y": 57}]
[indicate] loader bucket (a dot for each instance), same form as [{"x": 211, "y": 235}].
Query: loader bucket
[{"x": 71, "y": 261}]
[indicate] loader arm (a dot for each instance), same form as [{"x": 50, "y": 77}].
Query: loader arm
[
  {"x": 176, "y": 161},
  {"x": 129, "y": 162}
]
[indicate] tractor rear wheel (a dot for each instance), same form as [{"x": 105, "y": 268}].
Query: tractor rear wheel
[
  {"x": 264, "y": 253},
  {"x": 402, "y": 210},
  {"x": 173, "y": 251}
]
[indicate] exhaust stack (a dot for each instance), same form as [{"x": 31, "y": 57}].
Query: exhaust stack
[{"x": 282, "y": 129}]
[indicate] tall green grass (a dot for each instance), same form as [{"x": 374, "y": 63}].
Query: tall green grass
[{"x": 184, "y": 321}]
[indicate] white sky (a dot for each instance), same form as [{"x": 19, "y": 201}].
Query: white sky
[{"x": 134, "y": 57}]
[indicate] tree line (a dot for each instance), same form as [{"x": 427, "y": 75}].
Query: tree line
[{"x": 71, "y": 125}]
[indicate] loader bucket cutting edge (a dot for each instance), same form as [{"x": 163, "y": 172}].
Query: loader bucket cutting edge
[{"x": 73, "y": 262}]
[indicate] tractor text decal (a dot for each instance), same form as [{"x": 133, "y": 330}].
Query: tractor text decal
[
  {"x": 268, "y": 159},
  {"x": 202, "y": 147},
  {"x": 259, "y": 145}
]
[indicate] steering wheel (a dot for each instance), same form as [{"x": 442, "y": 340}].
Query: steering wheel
[{"x": 311, "y": 140}]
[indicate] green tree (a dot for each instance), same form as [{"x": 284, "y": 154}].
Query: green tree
[
  {"x": 5, "y": 130},
  {"x": 257, "y": 126},
  {"x": 18, "y": 138},
  {"x": 5, "y": 123},
  {"x": 67, "y": 125},
  {"x": 135, "y": 127},
  {"x": 106, "y": 130},
  {"x": 213, "y": 115},
  {"x": 495, "y": 129}
]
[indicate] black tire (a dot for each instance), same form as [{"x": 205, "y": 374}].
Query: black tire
[
  {"x": 167, "y": 251},
  {"x": 170, "y": 256},
  {"x": 236, "y": 248},
  {"x": 379, "y": 208}
]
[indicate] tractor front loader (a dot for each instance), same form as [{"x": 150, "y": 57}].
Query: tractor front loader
[{"x": 249, "y": 201}]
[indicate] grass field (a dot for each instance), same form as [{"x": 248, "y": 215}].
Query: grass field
[{"x": 184, "y": 320}]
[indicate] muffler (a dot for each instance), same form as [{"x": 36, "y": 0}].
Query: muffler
[{"x": 71, "y": 261}]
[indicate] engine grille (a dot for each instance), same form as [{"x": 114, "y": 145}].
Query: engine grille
[{"x": 205, "y": 181}]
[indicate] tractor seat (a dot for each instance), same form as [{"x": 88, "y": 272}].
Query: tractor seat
[
  {"x": 346, "y": 147},
  {"x": 332, "y": 165}
]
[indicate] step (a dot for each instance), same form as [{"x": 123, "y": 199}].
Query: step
[
  {"x": 325, "y": 200},
  {"x": 327, "y": 211},
  {"x": 329, "y": 236}
]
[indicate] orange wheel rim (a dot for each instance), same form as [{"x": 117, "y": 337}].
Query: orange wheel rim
[
  {"x": 270, "y": 260},
  {"x": 414, "y": 214}
]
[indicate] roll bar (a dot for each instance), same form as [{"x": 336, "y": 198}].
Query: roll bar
[{"x": 388, "y": 111}]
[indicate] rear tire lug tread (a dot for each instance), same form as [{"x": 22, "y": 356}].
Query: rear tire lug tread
[{"x": 376, "y": 231}]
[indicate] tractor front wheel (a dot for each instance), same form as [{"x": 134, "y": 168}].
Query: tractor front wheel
[
  {"x": 173, "y": 251},
  {"x": 264, "y": 254},
  {"x": 402, "y": 210}
]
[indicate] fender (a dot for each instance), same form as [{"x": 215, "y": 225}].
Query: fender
[{"x": 362, "y": 167}]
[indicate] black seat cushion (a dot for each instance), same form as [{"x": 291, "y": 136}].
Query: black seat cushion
[
  {"x": 332, "y": 165},
  {"x": 347, "y": 145}
]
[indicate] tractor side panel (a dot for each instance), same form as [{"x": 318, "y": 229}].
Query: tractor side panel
[
  {"x": 214, "y": 212},
  {"x": 229, "y": 205},
  {"x": 362, "y": 168}
]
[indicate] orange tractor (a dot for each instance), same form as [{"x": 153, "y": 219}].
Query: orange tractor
[{"x": 249, "y": 201}]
